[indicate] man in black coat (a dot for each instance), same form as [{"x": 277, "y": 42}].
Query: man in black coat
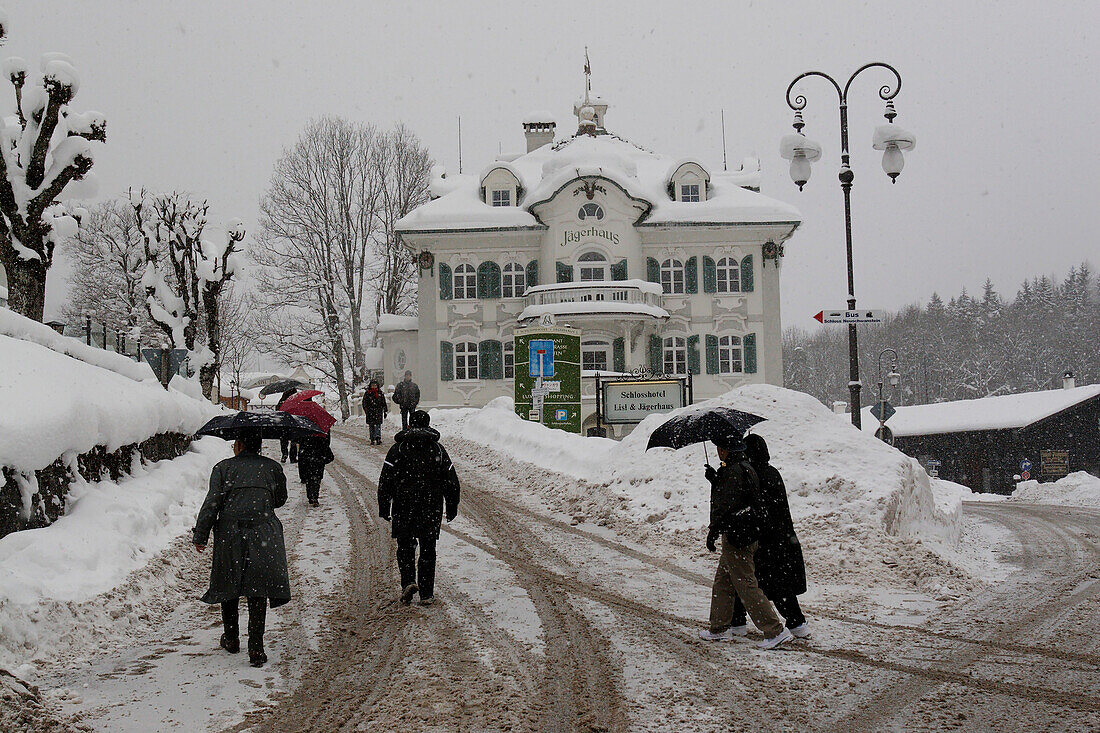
[
  {"x": 288, "y": 446},
  {"x": 780, "y": 567},
  {"x": 314, "y": 453},
  {"x": 417, "y": 482},
  {"x": 249, "y": 553},
  {"x": 736, "y": 515},
  {"x": 406, "y": 395}
]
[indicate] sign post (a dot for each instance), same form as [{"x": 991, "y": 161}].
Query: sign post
[
  {"x": 548, "y": 376},
  {"x": 849, "y": 316}
]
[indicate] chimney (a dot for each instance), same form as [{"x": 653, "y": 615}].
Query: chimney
[
  {"x": 1068, "y": 382},
  {"x": 538, "y": 128},
  {"x": 840, "y": 407}
]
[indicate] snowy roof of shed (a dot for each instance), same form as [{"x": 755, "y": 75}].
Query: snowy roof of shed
[
  {"x": 390, "y": 322},
  {"x": 1004, "y": 412},
  {"x": 644, "y": 175}
]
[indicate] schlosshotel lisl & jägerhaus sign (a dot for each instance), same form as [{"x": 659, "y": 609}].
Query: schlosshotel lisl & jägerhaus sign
[{"x": 631, "y": 402}]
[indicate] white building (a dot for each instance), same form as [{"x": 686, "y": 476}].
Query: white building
[{"x": 662, "y": 263}]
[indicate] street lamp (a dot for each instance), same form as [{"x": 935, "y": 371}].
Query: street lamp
[
  {"x": 893, "y": 379},
  {"x": 802, "y": 151}
]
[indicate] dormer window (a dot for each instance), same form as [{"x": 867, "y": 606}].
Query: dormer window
[
  {"x": 689, "y": 192},
  {"x": 688, "y": 183},
  {"x": 502, "y": 197}
]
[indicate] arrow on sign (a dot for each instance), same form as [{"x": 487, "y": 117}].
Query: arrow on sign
[{"x": 845, "y": 316}]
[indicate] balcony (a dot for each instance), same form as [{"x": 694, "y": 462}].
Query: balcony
[{"x": 634, "y": 300}]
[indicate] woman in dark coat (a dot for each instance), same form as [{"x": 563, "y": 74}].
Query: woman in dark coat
[
  {"x": 417, "y": 482},
  {"x": 249, "y": 554},
  {"x": 314, "y": 453},
  {"x": 288, "y": 446},
  {"x": 375, "y": 408},
  {"x": 780, "y": 568}
]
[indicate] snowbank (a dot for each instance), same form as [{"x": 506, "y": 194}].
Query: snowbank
[
  {"x": 109, "y": 530},
  {"x": 1076, "y": 489},
  {"x": 52, "y": 404}
]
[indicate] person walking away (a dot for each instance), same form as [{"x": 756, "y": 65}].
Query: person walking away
[
  {"x": 288, "y": 447},
  {"x": 780, "y": 567},
  {"x": 314, "y": 453},
  {"x": 737, "y": 515},
  {"x": 249, "y": 557},
  {"x": 375, "y": 408},
  {"x": 418, "y": 482},
  {"x": 407, "y": 396}
]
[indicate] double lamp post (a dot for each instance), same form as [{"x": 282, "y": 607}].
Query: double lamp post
[{"x": 802, "y": 151}]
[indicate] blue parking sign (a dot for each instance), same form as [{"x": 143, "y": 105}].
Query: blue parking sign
[
  {"x": 561, "y": 415},
  {"x": 541, "y": 357}
]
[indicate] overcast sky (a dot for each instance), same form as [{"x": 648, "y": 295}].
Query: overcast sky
[{"x": 1002, "y": 96}]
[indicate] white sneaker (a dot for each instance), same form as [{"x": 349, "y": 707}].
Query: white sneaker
[
  {"x": 727, "y": 635},
  {"x": 781, "y": 638},
  {"x": 742, "y": 630},
  {"x": 802, "y": 631}
]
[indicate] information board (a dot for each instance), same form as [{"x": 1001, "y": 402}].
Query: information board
[
  {"x": 631, "y": 401},
  {"x": 1054, "y": 463},
  {"x": 542, "y": 353}
]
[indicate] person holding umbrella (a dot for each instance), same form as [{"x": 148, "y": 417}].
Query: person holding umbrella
[
  {"x": 249, "y": 557},
  {"x": 314, "y": 450}
]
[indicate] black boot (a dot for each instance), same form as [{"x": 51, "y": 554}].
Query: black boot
[{"x": 230, "y": 645}]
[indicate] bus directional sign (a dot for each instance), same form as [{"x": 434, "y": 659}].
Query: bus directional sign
[{"x": 846, "y": 316}]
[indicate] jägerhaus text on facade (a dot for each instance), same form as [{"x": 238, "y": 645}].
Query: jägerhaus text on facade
[{"x": 662, "y": 264}]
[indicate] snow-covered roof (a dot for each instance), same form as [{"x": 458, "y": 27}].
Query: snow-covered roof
[
  {"x": 537, "y": 117},
  {"x": 986, "y": 413},
  {"x": 592, "y": 307},
  {"x": 642, "y": 174},
  {"x": 643, "y": 285},
  {"x": 390, "y": 322}
]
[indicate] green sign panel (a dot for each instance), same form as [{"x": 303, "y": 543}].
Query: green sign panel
[{"x": 548, "y": 376}]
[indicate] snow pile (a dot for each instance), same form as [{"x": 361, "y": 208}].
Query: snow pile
[
  {"x": 1076, "y": 489},
  {"x": 109, "y": 530},
  {"x": 860, "y": 506},
  {"x": 53, "y": 405}
]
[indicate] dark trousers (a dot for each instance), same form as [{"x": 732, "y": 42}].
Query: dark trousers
[
  {"x": 257, "y": 617},
  {"x": 375, "y": 431},
  {"x": 289, "y": 449},
  {"x": 421, "y": 572},
  {"x": 313, "y": 490},
  {"x": 405, "y": 417},
  {"x": 786, "y": 605}
]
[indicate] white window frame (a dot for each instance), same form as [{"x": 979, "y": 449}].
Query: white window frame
[
  {"x": 727, "y": 275},
  {"x": 501, "y": 197},
  {"x": 513, "y": 280},
  {"x": 597, "y": 346},
  {"x": 508, "y": 357},
  {"x": 691, "y": 192},
  {"x": 673, "y": 280},
  {"x": 674, "y": 354},
  {"x": 466, "y": 361},
  {"x": 602, "y": 264},
  {"x": 464, "y": 282},
  {"x": 731, "y": 352}
]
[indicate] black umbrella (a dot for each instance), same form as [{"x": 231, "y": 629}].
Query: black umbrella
[
  {"x": 699, "y": 426},
  {"x": 283, "y": 385},
  {"x": 267, "y": 424}
]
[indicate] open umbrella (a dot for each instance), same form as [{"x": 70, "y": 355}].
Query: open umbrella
[
  {"x": 283, "y": 385},
  {"x": 699, "y": 426},
  {"x": 267, "y": 424},
  {"x": 301, "y": 404}
]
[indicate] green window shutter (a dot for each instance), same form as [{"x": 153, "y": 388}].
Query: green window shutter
[
  {"x": 618, "y": 354},
  {"x": 656, "y": 355},
  {"x": 693, "y": 354},
  {"x": 446, "y": 361},
  {"x": 712, "y": 354},
  {"x": 749, "y": 345},
  {"x": 565, "y": 272},
  {"x": 710, "y": 275},
  {"x": 618, "y": 270},
  {"x": 746, "y": 274},
  {"x": 446, "y": 288},
  {"x": 488, "y": 280},
  {"x": 490, "y": 359},
  {"x": 532, "y": 273},
  {"x": 691, "y": 275},
  {"x": 652, "y": 270}
]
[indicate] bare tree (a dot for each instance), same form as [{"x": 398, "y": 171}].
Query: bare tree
[
  {"x": 108, "y": 261},
  {"x": 405, "y": 169},
  {"x": 319, "y": 218},
  {"x": 237, "y": 331},
  {"x": 46, "y": 147}
]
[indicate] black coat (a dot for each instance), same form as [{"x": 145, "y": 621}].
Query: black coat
[
  {"x": 735, "y": 507},
  {"x": 417, "y": 479},
  {"x": 375, "y": 407},
  {"x": 249, "y": 557},
  {"x": 406, "y": 395},
  {"x": 780, "y": 568},
  {"x": 314, "y": 453}
]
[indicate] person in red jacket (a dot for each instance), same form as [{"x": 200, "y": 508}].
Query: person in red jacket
[{"x": 375, "y": 408}]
